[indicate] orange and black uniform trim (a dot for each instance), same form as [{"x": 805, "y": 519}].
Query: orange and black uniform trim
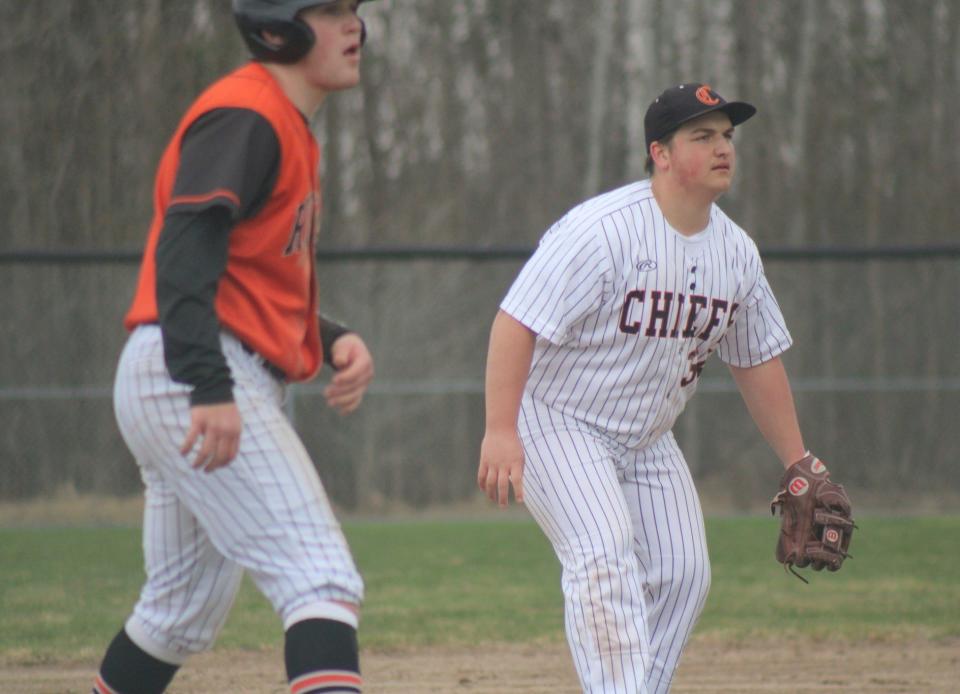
[{"x": 264, "y": 190}]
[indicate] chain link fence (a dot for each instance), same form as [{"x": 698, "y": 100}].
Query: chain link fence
[{"x": 873, "y": 368}]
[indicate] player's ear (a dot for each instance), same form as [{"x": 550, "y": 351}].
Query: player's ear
[{"x": 659, "y": 154}]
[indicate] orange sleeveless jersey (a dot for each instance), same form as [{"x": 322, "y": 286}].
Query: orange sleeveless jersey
[{"x": 268, "y": 294}]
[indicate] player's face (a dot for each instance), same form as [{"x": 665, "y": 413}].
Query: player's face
[
  {"x": 702, "y": 156},
  {"x": 333, "y": 62}
]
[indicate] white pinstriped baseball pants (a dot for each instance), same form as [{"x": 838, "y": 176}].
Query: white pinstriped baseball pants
[
  {"x": 628, "y": 530},
  {"x": 266, "y": 512}
]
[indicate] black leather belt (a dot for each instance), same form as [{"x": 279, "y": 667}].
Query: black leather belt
[{"x": 272, "y": 369}]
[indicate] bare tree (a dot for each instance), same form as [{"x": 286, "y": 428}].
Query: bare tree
[{"x": 599, "y": 95}]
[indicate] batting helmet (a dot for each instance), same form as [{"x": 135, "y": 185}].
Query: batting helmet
[{"x": 278, "y": 17}]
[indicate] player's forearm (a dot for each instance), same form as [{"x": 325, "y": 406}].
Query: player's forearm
[
  {"x": 508, "y": 365},
  {"x": 766, "y": 392},
  {"x": 191, "y": 257}
]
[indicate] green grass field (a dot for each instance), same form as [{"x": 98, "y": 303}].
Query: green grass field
[{"x": 65, "y": 591}]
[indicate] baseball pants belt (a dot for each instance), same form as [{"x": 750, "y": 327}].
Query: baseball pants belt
[{"x": 271, "y": 368}]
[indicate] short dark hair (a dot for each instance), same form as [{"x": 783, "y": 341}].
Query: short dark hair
[{"x": 665, "y": 141}]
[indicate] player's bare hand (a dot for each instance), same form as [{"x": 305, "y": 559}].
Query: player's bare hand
[
  {"x": 501, "y": 465},
  {"x": 217, "y": 428},
  {"x": 354, "y": 371}
]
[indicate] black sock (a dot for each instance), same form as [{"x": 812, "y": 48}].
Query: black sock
[
  {"x": 127, "y": 669},
  {"x": 322, "y": 656}
]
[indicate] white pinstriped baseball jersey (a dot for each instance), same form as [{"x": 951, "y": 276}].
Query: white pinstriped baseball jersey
[{"x": 627, "y": 311}]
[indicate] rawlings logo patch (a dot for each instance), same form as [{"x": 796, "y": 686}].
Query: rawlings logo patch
[
  {"x": 831, "y": 536},
  {"x": 817, "y": 467},
  {"x": 647, "y": 265},
  {"x": 798, "y": 486}
]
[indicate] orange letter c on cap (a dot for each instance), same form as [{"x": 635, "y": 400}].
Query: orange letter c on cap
[{"x": 704, "y": 96}]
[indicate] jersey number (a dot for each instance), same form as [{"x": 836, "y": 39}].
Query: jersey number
[{"x": 696, "y": 368}]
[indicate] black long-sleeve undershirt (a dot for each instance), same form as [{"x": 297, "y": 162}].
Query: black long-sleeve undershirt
[
  {"x": 191, "y": 257},
  {"x": 231, "y": 149}
]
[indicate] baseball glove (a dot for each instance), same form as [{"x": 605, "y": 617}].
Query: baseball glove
[{"x": 816, "y": 521}]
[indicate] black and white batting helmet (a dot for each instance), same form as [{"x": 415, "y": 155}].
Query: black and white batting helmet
[{"x": 278, "y": 17}]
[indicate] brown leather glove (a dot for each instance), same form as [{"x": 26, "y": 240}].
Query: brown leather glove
[{"x": 816, "y": 520}]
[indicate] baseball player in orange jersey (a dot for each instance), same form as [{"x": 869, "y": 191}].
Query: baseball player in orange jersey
[
  {"x": 596, "y": 349},
  {"x": 225, "y": 314}
]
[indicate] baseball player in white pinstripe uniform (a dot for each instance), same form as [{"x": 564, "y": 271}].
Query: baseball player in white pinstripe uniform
[{"x": 596, "y": 349}]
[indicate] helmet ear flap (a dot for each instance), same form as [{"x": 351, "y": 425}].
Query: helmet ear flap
[{"x": 297, "y": 38}]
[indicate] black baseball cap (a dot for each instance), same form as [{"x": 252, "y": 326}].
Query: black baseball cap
[{"x": 684, "y": 102}]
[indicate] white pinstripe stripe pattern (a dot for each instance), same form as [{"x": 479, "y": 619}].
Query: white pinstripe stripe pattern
[
  {"x": 626, "y": 312},
  {"x": 574, "y": 293},
  {"x": 627, "y": 528},
  {"x": 266, "y": 512}
]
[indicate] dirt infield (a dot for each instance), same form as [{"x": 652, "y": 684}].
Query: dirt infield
[{"x": 709, "y": 666}]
